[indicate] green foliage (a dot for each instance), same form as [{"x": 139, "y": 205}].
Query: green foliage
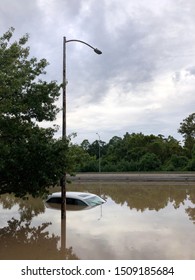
[
  {"x": 139, "y": 152},
  {"x": 136, "y": 152},
  {"x": 78, "y": 158},
  {"x": 31, "y": 159},
  {"x": 149, "y": 162},
  {"x": 177, "y": 163},
  {"x": 191, "y": 163},
  {"x": 187, "y": 129},
  {"x": 22, "y": 95}
]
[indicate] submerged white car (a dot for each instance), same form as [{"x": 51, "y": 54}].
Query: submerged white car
[{"x": 76, "y": 198}]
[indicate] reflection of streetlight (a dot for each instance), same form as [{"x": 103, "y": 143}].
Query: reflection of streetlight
[
  {"x": 63, "y": 179},
  {"x": 99, "y": 152}
]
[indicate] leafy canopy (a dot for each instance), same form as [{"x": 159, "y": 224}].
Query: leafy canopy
[
  {"x": 30, "y": 158},
  {"x": 187, "y": 129},
  {"x": 22, "y": 95}
]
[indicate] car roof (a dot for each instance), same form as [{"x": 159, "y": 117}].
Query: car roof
[{"x": 81, "y": 195}]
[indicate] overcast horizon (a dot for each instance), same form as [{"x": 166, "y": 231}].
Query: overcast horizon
[{"x": 144, "y": 81}]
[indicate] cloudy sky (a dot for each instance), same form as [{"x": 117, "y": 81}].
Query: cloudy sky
[{"x": 144, "y": 81}]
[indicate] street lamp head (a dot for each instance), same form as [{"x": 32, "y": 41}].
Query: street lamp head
[{"x": 97, "y": 51}]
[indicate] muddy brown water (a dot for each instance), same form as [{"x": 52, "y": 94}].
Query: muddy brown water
[{"x": 138, "y": 221}]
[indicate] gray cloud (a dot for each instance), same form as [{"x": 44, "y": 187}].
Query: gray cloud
[{"x": 144, "y": 74}]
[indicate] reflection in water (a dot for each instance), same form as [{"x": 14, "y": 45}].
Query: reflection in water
[
  {"x": 191, "y": 213},
  {"x": 136, "y": 222},
  {"x": 20, "y": 240}
]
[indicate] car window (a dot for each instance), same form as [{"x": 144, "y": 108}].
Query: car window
[
  {"x": 79, "y": 202},
  {"x": 94, "y": 200},
  {"x": 55, "y": 200},
  {"x": 74, "y": 201},
  {"x": 69, "y": 201}
]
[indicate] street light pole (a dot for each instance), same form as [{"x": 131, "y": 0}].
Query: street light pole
[
  {"x": 64, "y": 90},
  {"x": 63, "y": 179}
]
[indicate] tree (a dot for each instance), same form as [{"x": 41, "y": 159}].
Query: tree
[
  {"x": 31, "y": 159},
  {"x": 191, "y": 163},
  {"x": 138, "y": 152},
  {"x": 85, "y": 145},
  {"x": 78, "y": 158},
  {"x": 177, "y": 163},
  {"x": 187, "y": 129},
  {"x": 149, "y": 162}
]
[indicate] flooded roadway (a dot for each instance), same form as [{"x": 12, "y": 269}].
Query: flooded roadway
[{"x": 138, "y": 221}]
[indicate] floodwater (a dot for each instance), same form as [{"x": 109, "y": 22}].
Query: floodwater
[{"x": 136, "y": 222}]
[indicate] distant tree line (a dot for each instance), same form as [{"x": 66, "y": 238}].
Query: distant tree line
[{"x": 139, "y": 152}]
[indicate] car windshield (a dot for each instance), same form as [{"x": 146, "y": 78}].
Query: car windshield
[{"x": 94, "y": 200}]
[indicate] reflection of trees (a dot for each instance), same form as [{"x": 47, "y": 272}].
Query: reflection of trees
[
  {"x": 28, "y": 207},
  {"x": 142, "y": 197},
  {"x": 191, "y": 194},
  {"x": 19, "y": 240},
  {"x": 191, "y": 213}
]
